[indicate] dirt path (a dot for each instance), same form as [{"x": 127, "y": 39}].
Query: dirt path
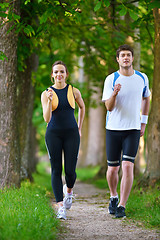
[{"x": 88, "y": 219}]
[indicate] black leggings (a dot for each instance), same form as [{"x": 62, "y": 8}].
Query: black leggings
[{"x": 68, "y": 141}]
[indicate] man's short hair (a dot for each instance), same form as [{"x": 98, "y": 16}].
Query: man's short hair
[{"x": 123, "y": 48}]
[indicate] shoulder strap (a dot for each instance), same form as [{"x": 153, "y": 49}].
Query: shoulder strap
[
  {"x": 73, "y": 92},
  {"x": 71, "y": 97},
  {"x": 51, "y": 88}
]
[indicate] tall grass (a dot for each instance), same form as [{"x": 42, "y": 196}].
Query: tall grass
[
  {"x": 25, "y": 213},
  {"x": 143, "y": 205}
]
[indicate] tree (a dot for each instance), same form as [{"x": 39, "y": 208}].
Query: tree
[
  {"x": 9, "y": 139},
  {"x": 152, "y": 173},
  {"x": 27, "y": 65}
]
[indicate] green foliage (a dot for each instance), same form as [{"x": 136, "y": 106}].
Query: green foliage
[
  {"x": 44, "y": 21},
  {"x": 3, "y": 56},
  {"x": 27, "y": 1},
  {"x": 98, "y": 6},
  {"x": 26, "y": 212},
  {"x": 29, "y": 31},
  {"x": 123, "y": 10},
  {"x": 154, "y": 4},
  {"x": 133, "y": 15},
  {"x": 8, "y": 14},
  {"x": 107, "y": 3}
]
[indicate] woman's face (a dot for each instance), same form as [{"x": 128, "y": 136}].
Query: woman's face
[{"x": 59, "y": 73}]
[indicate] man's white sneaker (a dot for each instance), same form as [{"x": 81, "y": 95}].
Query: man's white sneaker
[
  {"x": 61, "y": 213},
  {"x": 67, "y": 200}
]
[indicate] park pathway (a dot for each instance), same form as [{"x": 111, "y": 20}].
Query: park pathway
[{"x": 88, "y": 219}]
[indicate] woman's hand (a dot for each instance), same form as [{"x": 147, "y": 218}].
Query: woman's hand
[
  {"x": 49, "y": 94},
  {"x": 46, "y": 100}
]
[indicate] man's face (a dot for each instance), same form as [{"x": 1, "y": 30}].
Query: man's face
[{"x": 125, "y": 59}]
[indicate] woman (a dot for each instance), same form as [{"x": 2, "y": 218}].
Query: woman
[{"x": 63, "y": 133}]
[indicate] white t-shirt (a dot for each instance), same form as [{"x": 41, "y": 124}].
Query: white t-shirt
[{"x": 126, "y": 113}]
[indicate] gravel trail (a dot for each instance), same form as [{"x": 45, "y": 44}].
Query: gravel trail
[{"x": 88, "y": 219}]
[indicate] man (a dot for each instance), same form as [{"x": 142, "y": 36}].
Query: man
[{"x": 125, "y": 93}]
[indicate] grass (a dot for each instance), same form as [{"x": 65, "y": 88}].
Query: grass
[
  {"x": 143, "y": 205},
  {"x": 26, "y": 213}
]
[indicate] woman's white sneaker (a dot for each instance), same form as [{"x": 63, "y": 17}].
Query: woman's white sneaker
[
  {"x": 61, "y": 214},
  {"x": 67, "y": 200}
]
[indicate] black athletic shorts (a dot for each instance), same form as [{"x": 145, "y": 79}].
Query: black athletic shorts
[{"x": 123, "y": 143}]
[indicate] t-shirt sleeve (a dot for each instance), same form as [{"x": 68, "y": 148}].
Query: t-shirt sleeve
[
  {"x": 146, "y": 91},
  {"x": 107, "y": 90}
]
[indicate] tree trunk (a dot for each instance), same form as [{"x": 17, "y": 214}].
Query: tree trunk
[
  {"x": 25, "y": 101},
  {"x": 92, "y": 150},
  {"x": 96, "y": 134},
  {"x": 137, "y": 51},
  {"x": 84, "y": 138},
  {"x": 9, "y": 147},
  {"x": 152, "y": 172}
]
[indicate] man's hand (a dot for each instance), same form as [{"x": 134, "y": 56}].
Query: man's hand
[
  {"x": 143, "y": 126},
  {"x": 117, "y": 88}
]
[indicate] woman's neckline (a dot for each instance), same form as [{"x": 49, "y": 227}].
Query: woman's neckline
[{"x": 60, "y": 88}]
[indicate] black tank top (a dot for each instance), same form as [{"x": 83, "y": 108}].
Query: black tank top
[{"x": 63, "y": 106}]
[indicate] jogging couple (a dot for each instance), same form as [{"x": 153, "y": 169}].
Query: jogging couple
[{"x": 126, "y": 93}]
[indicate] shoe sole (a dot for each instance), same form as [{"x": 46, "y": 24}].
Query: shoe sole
[
  {"x": 62, "y": 218},
  {"x": 121, "y": 217}
]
